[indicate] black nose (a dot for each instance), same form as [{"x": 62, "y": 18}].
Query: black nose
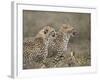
[
  {"x": 75, "y": 33},
  {"x": 53, "y": 33}
]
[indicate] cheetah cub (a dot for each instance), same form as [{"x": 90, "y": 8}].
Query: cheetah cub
[
  {"x": 58, "y": 46},
  {"x": 35, "y": 50}
]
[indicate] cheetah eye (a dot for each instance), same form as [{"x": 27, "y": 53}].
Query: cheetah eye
[
  {"x": 65, "y": 27},
  {"x": 46, "y": 31}
]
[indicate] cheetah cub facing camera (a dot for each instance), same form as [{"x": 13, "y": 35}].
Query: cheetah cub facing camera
[
  {"x": 58, "y": 46},
  {"x": 35, "y": 50}
]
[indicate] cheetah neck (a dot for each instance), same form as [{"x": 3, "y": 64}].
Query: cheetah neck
[{"x": 45, "y": 41}]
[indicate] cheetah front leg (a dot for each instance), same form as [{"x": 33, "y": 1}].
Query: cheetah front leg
[{"x": 59, "y": 57}]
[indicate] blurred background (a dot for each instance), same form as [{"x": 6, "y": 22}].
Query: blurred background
[{"x": 33, "y": 21}]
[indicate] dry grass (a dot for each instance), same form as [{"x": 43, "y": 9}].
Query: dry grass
[{"x": 33, "y": 21}]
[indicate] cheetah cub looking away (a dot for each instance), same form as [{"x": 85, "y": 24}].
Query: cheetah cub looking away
[
  {"x": 35, "y": 50},
  {"x": 58, "y": 46}
]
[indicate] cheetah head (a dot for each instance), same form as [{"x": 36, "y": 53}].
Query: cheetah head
[
  {"x": 47, "y": 32},
  {"x": 69, "y": 30},
  {"x": 52, "y": 36}
]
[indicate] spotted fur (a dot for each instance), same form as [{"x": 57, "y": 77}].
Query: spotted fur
[
  {"x": 35, "y": 50},
  {"x": 58, "y": 46}
]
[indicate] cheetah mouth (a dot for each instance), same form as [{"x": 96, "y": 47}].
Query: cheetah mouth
[{"x": 53, "y": 33}]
